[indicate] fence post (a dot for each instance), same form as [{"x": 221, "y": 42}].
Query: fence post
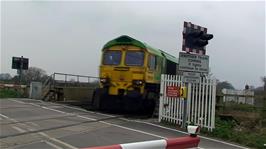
[
  {"x": 65, "y": 79},
  {"x": 53, "y": 80},
  {"x": 161, "y": 98},
  {"x": 213, "y": 103},
  {"x": 189, "y": 102}
]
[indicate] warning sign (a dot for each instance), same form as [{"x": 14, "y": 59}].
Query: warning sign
[
  {"x": 172, "y": 91},
  {"x": 176, "y": 91}
]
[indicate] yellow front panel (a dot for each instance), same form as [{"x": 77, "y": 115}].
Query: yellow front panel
[{"x": 121, "y": 76}]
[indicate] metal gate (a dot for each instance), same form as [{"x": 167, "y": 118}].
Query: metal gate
[{"x": 200, "y": 102}]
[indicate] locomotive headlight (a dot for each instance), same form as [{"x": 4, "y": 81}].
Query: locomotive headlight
[
  {"x": 104, "y": 80},
  {"x": 137, "y": 82}
]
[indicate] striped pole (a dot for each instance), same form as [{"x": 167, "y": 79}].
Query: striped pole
[{"x": 172, "y": 143}]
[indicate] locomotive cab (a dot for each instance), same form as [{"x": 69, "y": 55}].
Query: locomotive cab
[
  {"x": 130, "y": 73},
  {"x": 122, "y": 70}
]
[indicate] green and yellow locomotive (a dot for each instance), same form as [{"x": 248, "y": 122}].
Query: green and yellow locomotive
[{"x": 130, "y": 74}]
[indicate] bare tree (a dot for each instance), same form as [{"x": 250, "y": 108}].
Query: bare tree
[
  {"x": 264, "y": 81},
  {"x": 34, "y": 74},
  {"x": 5, "y": 76},
  {"x": 224, "y": 84}
]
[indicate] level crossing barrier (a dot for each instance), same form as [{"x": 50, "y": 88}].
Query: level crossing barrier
[{"x": 185, "y": 142}]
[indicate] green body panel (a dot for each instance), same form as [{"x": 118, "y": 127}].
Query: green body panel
[
  {"x": 126, "y": 40},
  {"x": 162, "y": 57}
]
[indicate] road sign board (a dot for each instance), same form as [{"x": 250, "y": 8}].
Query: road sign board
[
  {"x": 20, "y": 63},
  {"x": 193, "y": 62},
  {"x": 191, "y": 77}
]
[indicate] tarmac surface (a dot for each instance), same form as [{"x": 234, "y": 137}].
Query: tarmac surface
[{"x": 33, "y": 124}]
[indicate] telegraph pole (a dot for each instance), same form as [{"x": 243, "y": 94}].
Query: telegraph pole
[
  {"x": 184, "y": 113},
  {"x": 20, "y": 70},
  {"x": 20, "y": 64}
]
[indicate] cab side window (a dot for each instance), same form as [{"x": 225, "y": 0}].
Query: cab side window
[{"x": 152, "y": 62}]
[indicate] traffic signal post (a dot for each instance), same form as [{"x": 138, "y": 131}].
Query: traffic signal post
[
  {"x": 195, "y": 38},
  {"x": 194, "y": 63}
]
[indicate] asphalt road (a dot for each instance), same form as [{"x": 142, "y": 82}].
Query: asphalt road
[{"x": 30, "y": 124}]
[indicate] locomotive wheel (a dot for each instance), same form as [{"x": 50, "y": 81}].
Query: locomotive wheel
[
  {"x": 98, "y": 99},
  {"x": 133, "y": 104},
  {"x": 149, "y": 102},
  {"x": 112, "y": 103}
]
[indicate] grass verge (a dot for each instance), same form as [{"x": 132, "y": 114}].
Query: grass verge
[
  {"x": 231, "y": 131},
  {"x": 9, "y": 93}
]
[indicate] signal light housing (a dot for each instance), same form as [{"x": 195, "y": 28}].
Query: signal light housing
[
  {"x": 104, "y": 80},
  {"x": 137, "y": 82},
  {"x": 195, "y": 38}
]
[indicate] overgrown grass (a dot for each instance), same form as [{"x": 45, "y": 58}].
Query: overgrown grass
[
  {"x": 241, "y": 107},
  {"x": 232, "y": 132},
  {"x": 9, "y": 93},
  {"x": 229, "y": 130}
]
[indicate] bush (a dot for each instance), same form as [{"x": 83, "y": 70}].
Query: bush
[
  {"x": 241, "y": 107},
  {"x": 229, "y": 130},
  {"x": 9, "y": 93}
]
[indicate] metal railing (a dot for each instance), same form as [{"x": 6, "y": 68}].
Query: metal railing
[{"x": 64, "y": 80}]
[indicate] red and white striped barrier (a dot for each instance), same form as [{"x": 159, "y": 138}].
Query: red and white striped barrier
[
  {"x": 174, "y": 143},
  {"x": 191, "y": 141}
]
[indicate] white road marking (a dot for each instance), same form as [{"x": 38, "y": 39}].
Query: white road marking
[
  {"x": 40, "y": 133},
  {"x": 84, "y": 117},
  {"x": 60, "y": 105},
  {"x": 131, "y": 129},
  {"x": 150, "y": 133},
  {"x": 56, "y": 140},
  {"x": 34, "y": 124},
  {"x": 53, "y": 145},
  {"x": 76, "y": 108},
  {"x": 39, "y": 106},
  {"x": 51, "y": 109},
  {"x": 4, "y": 116},
  {"x": 158, "y": 126},
  {"x": 19, "y": 129},
  {"x": 88, "y": 111},
  {"x": 17, "y": 101},
  {"x": 147, "y": 133}
]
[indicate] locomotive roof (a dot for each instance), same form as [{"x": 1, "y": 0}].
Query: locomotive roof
[{"x": 126, "y": 40}]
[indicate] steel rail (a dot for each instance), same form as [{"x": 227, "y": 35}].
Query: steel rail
[
  {"x": 43, "y": 119},
  {"x": 58, "y": 127}
]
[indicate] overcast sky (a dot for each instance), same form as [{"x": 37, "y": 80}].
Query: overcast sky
[{"x": 68, "y": 36}]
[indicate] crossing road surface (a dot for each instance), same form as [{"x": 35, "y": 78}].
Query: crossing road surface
[{"x": 30, "y": 124}]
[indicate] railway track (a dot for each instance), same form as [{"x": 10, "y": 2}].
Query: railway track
[{"x": 84, "y": 108}]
